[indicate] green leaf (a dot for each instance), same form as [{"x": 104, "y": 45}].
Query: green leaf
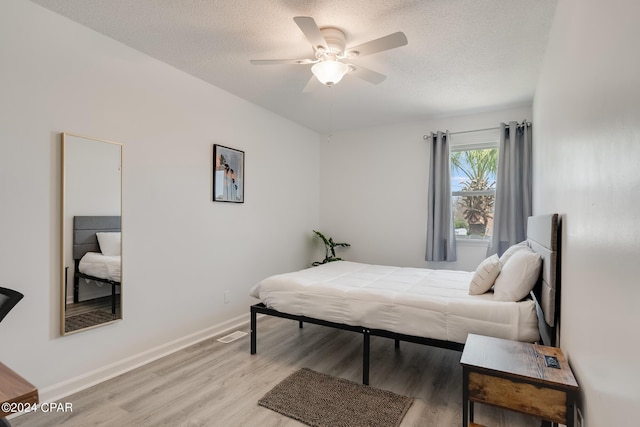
[{"x": 329, "y": 246}]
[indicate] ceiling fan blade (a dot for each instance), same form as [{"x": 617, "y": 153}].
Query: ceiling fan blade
[
  {"x": 366, "y": 74},
  {"x": 311, "y": 31},
  {"x": 282, "y": 61},
  {"x": 378, "y": 45}
]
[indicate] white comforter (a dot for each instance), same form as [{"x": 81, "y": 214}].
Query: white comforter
[
  {"x": 102, "y": 266},
  {"x": 413, "y": 301}
]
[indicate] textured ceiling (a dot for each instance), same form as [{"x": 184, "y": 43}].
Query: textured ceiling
[{"x": 463, "y": 56}]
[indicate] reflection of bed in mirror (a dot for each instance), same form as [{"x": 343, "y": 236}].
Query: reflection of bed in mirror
[{"x": 96, "y": 254}]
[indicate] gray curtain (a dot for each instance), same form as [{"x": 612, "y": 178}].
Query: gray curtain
[
  {"x": 441, "y": 242},
  {"x": 513, "y": 192}
]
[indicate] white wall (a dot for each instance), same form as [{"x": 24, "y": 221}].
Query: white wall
[
  {"x": 181, "y": 251},
  {"x": 374, "y": 190},
  {"x": 586, "y": 167}
]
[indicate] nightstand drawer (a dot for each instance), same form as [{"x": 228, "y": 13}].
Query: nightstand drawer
[{"x": 519, "y": 396}]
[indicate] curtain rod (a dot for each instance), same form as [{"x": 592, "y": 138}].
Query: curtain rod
[{"x": 425, "y": 137}]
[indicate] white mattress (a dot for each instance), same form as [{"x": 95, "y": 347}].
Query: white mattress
[
  {"x": 412, "y": 301},
  {"x": 101, "y": 266}
]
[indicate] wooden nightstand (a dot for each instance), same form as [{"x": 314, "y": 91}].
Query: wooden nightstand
[{"x": 514, "y": 375}]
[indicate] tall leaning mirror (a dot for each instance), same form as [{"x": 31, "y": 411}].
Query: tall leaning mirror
[{"x": 91, "y": 288}]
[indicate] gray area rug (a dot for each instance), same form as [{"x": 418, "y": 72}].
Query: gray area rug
[
  {"x": 85, "y": 320},
  {"x": 321, "y": 400}
]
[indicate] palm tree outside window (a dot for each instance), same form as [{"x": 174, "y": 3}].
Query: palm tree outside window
[{"x": 473, "y": 189}]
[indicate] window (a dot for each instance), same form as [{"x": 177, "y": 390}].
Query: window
[{"x": 473, "y": 188}]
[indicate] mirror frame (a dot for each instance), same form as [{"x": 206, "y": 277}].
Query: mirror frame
[{"x": 63, "y": 230}]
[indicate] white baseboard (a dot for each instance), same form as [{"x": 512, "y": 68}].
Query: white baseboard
[{"x": 81, "y": 382}]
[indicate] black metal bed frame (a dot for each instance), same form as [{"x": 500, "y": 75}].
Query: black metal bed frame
[
  {"x": 543, "y": 233},
  {"x": 367, "y": 333}
]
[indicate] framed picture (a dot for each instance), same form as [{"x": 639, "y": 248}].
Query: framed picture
[{"x": 228, "y": 174}]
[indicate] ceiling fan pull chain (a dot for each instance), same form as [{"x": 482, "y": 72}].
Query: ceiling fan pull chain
[{"x": 330, "y": 114}]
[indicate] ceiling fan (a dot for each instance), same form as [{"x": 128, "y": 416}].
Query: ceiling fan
[{"x": 329, "y": 46}]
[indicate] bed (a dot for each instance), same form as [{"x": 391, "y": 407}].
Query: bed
[
  {"x": 423, "y": 306},
  {"x": 92, "y": 262}
]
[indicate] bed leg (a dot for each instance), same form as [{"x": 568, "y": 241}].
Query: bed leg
[
  {"x": 254, "y": 331},
  {"x": 365, "y": 357},
  {"x": 113, "y": 298},
  {"x": 300, "y": 324},
  {"x": 397, "y": 344},
  {"x": 76, "y": 290}
]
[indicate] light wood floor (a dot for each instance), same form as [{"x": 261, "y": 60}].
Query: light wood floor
[{"x": 216, "y": 384}]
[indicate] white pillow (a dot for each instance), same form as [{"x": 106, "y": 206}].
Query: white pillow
[
  {"x": 518, "y": 276},
  {"x": 485, "y": 275},
  {"x": 512, "y": 250},
  {"x": 109, "y": 242}
]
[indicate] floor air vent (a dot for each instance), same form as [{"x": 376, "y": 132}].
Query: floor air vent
[{"x": 232, "y": 337}]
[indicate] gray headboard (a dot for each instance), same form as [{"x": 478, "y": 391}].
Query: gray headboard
[
  {"x": 85, "y": 229},
  {"x": 543, "y": 235}
]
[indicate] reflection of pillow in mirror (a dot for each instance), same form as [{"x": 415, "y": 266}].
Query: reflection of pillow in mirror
[{"x": 109, "y": 243}]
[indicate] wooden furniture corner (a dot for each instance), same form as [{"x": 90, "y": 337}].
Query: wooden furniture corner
[
  {"x": 514, "y": 375},
  {"x": 15, "y": 389}
]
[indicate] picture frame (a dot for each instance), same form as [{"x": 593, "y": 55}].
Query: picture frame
[{"x": 228, "y": 174}]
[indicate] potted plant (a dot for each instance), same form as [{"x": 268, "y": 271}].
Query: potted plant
[{"x": 329, "y": 249}]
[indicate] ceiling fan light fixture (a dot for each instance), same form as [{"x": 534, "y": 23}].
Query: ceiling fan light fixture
[{"x": 329, "y": 72}]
